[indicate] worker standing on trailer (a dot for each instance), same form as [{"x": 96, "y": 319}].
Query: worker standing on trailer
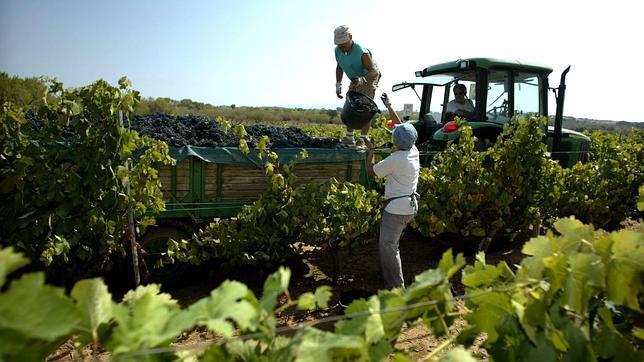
[
  {"x": 358, "y": 64},
  {"x": 400, "y": 170}
]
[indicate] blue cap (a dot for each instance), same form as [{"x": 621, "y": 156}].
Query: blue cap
[{"x": 405, "y": 136}]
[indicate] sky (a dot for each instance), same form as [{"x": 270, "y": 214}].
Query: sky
[{"x": 280, "y": 53}]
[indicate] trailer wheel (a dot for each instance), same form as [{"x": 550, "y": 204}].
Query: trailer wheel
[{"x": 155, "y": 242}]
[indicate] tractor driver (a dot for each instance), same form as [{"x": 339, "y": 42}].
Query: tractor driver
[{"x": 459, "y": 105}]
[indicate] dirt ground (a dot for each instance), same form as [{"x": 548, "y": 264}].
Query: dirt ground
[{"x": 359, "y": 270}]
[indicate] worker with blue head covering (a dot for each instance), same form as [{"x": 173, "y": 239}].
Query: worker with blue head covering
[
  {"x": 405, "y": 136},
  {"x": 400, "y": 171}
]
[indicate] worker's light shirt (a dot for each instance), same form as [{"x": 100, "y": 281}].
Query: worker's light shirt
[{"x": 400, "y": 170}]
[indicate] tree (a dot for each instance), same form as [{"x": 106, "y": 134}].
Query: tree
[{"x": 24, "y": 93}]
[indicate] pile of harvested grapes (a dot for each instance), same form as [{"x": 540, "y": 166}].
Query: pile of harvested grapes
[{"x": 201, "y": 131}]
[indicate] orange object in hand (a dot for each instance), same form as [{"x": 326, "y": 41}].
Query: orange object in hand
[{"x": 390, "y": 123}]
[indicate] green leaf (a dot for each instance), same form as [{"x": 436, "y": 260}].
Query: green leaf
[
  {"x": 9, "y": 262},
  {"x": 539, "y": 246},
  {"x": 37, "y": 311},
  {"x": 374, "y": 329},
  {"x": 399, "y": 357},
  {"x": 226, "y": 302},
  {"x": 612, "y": 346},
  {"x": 320, "y": 346},
  {"x": 424, "y": 281},
  {"x": 542, "y": 351},
  {"x": 532, "y": 317},
  {"x": 322, "y": 296},
  {"x": 572, "y": 233},
  {"x": 585, "y": 272},
  {"x": 379, "y": 351},
  {"x": 624, "y": 280},
  {"x": 146, "y": 319},
  {"x": 356, "y": 324},
  {"x": 482, "y": 274},
  {"x": 457, "y": 354},
  {"x": 638, "y": 332},
  {"x": 579, "y": 347},
  {"x": 556, "y": 272},
  {"x": 396, "y": 314},
  {"x": 448, "y": 265},
  {"x": 275, "y": 285},
  {"x": 94, "y": 302},
  {"x": 490, "y": 309},
  {"x": 306, "y": 301}
]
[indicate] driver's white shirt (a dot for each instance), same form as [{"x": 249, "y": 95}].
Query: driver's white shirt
[{"x": 454, "y": 106}]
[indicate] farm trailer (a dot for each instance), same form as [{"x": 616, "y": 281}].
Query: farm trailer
[{"x": 216, "y": 182}]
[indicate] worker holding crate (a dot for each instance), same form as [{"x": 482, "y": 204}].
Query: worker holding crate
[{"x": 357, "y": 63}]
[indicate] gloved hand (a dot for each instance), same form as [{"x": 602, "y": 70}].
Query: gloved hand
[
  {"x": 338, "y": 90},
  {"x": 385, "y": 100}
]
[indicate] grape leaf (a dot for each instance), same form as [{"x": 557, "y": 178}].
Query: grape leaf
[
  {"x": 357, "y": 323},
  {"x": 540, "y": 246},
  {"x": 624, "y": 281},
  {"x": 482, "y": 274},
  {"x": 541, "y": 351},
  {"x": 320, "y": 346},
  {"x": 322, "y": 296},
  {"x": 146, "y": 319},
  {"x": 585, "y": 272},
  {"x": 226, "y": 302},
  {"x": 556, "y": 272},
  {"x": 395, "y": 316},
  {"x": 274, "y": 285},
  {"x": 94, "y": 302},
  {"x": 9, "y": 262},
  {"x": 374, "y": 330},
  {"x": 579, "y": 347},
  {"x": 572, "y": 233},
  {"x": 449, "y": 265},
  {"x": 36, "y": 310},
  {"x": 379, "y": 351},
  {"x": 490, "y": 309},
  {"x": 458, "y": 354},
  {"x": 306, "y": 301}
]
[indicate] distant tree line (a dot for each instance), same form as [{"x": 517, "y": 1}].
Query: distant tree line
[
  {"x": 29, "y": 92},
  {"x": 586, "y": 124},
  {"x": 24, "y": 92}
]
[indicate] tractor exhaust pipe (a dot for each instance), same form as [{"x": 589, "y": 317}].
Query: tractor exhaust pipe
[{"x": 561, "y": 95}]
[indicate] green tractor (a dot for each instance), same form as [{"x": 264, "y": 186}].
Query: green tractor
[{"x": 496, "y": 90}]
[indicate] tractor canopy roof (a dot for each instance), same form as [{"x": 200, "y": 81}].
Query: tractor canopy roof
[{"x": 486, "y": 63}]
